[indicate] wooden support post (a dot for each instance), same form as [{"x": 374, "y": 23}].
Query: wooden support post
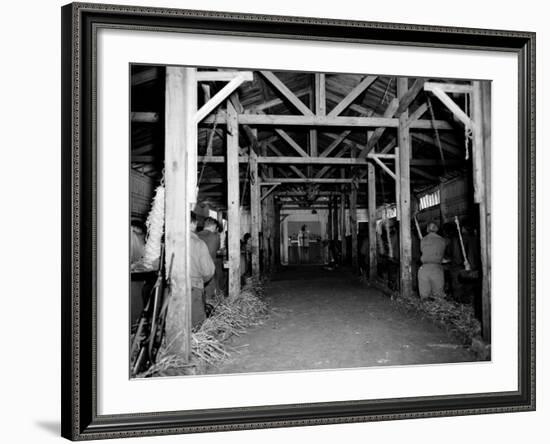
[
  {"x": 397, "y": 184},
  {"x": 255, "y": 214},
  {"x": 276, "y": 233},
  {"x": 404, "y": 143},
  {"x": 343, "y": 226},
  {"x": 180, "y": 131},
  {"x": 373, "y": 259},
  {"x": 233, "y": 210},
  {"x": 353, "y": 224},
  {"x": 481, "y": 151},
  {"x": 329, "y": 229},
  {"x": 319, "y": 98},
  {"x": 268, "y": 233},
  {"x": 335, "y": 220}
]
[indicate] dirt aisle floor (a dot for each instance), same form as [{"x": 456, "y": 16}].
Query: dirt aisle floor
[{"x": 321, "y": 319}]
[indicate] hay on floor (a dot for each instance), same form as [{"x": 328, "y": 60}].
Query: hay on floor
[
  {"x": 459, "y": 319},
  {"x": 230, "y": 317}
]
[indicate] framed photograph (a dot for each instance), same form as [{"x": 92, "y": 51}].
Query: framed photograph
[{"x": 278, "y": 221}]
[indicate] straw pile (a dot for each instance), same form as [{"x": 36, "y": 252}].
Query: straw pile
[
  {"x": 458, "y": 319},
  {"x": 231, "y": 317}
]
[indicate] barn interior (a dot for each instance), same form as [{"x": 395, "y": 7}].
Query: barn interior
[{"x": 362, "y": 163}]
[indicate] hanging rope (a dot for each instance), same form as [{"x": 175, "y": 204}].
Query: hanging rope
[{"x": 437, "y": 138}]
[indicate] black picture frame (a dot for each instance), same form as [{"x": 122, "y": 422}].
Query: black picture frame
[{"x": 80, "y": 22}]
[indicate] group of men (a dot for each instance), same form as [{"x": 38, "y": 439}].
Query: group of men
[{"x": 206, "y": 268}]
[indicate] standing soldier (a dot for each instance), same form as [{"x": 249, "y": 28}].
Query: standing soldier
[
  {"x": 211, "y": 238},
  {"x": 201, "y": 271},
  {"x": 431, "y": 281}
]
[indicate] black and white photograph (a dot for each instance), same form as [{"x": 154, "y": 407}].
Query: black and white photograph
[{"x": 299, "y": 221}]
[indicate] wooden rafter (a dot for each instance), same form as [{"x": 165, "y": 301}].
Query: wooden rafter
[
  {"x": 395, "y": 108},
  {"x": 323, "y": 171},
  {"x": 284, "y": 135},
  {"x": 313, "y": 180},
  {"x": 384, "y": 167},
  {"x": 448, "y": 87},
  {"x": 274, "y": 102},
  {"x": 342, "y": 121},
  {"x": 355, "y": 92},
  {"x": 292, "y": 167},
  {"x": 312, "y": 120},
  {"x": 251, "y": 133},
  {"x": 389, "y": 146},
  {"x": 337, "y": 140},
  {"x": 388, "y": 113},
  {"x": 418, "y": 113},
  {"x": 331, "y": 97},
  {"x": 287, "y": 93},
  {"x": 436, "y": 90},
  {"x": 320, "y": 102},
  {"x": 222, "y": 76},
  {"x": 222, "y": 94}
]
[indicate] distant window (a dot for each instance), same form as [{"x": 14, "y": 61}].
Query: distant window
[{"x": 430, "y": 200}]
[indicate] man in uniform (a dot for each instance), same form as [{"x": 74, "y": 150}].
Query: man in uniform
[
  {"x": 201, "y": 270},
  {"x": 211, "y": 238},
  {"x": 431, "y": 281}
]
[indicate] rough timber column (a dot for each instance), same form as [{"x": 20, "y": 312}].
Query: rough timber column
[
  {"x": 276, "y": 233},
  {"x": 373, "y": 265},
  {"x": 404, "y": 143},
  {"x": 255, "y": 214},
  {"x": 180, "y": 136},
  {"x": 481, "y": 150},
  {"x": 335, "y": 221},
  {"x": 343, "y": 225},
  {"x": 353, "y": 224},
  {"x": 233, "y": 216}
]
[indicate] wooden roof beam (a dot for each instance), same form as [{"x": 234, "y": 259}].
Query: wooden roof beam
[
  {"x": 284, "y": 135},
  {"x": 311, "y": 120},
  {"x": 222, "y": 76},
  {"x": 460, "y": 115},
  {"x": 448, "y": 87},
  {"x": 388, "y": 113},
  {"x": 287, "y": 93},
  {"x": 355, "y": 92},
  {"x": 314, "y": 180},
  {"x": 337, "y": 140},
  {"x": 277, "y": 101},
  {"x": 331, "y": 97},
  {"x": 222, "y": 94},
  {"x": 418, "y": 113},
  {"x": 325, "y": 121},
  {"x": 395, "y": 109},
  {"x": 293, "y": 168}
]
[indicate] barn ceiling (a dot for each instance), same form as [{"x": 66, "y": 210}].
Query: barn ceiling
[{"x": 432, "y": 159}]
